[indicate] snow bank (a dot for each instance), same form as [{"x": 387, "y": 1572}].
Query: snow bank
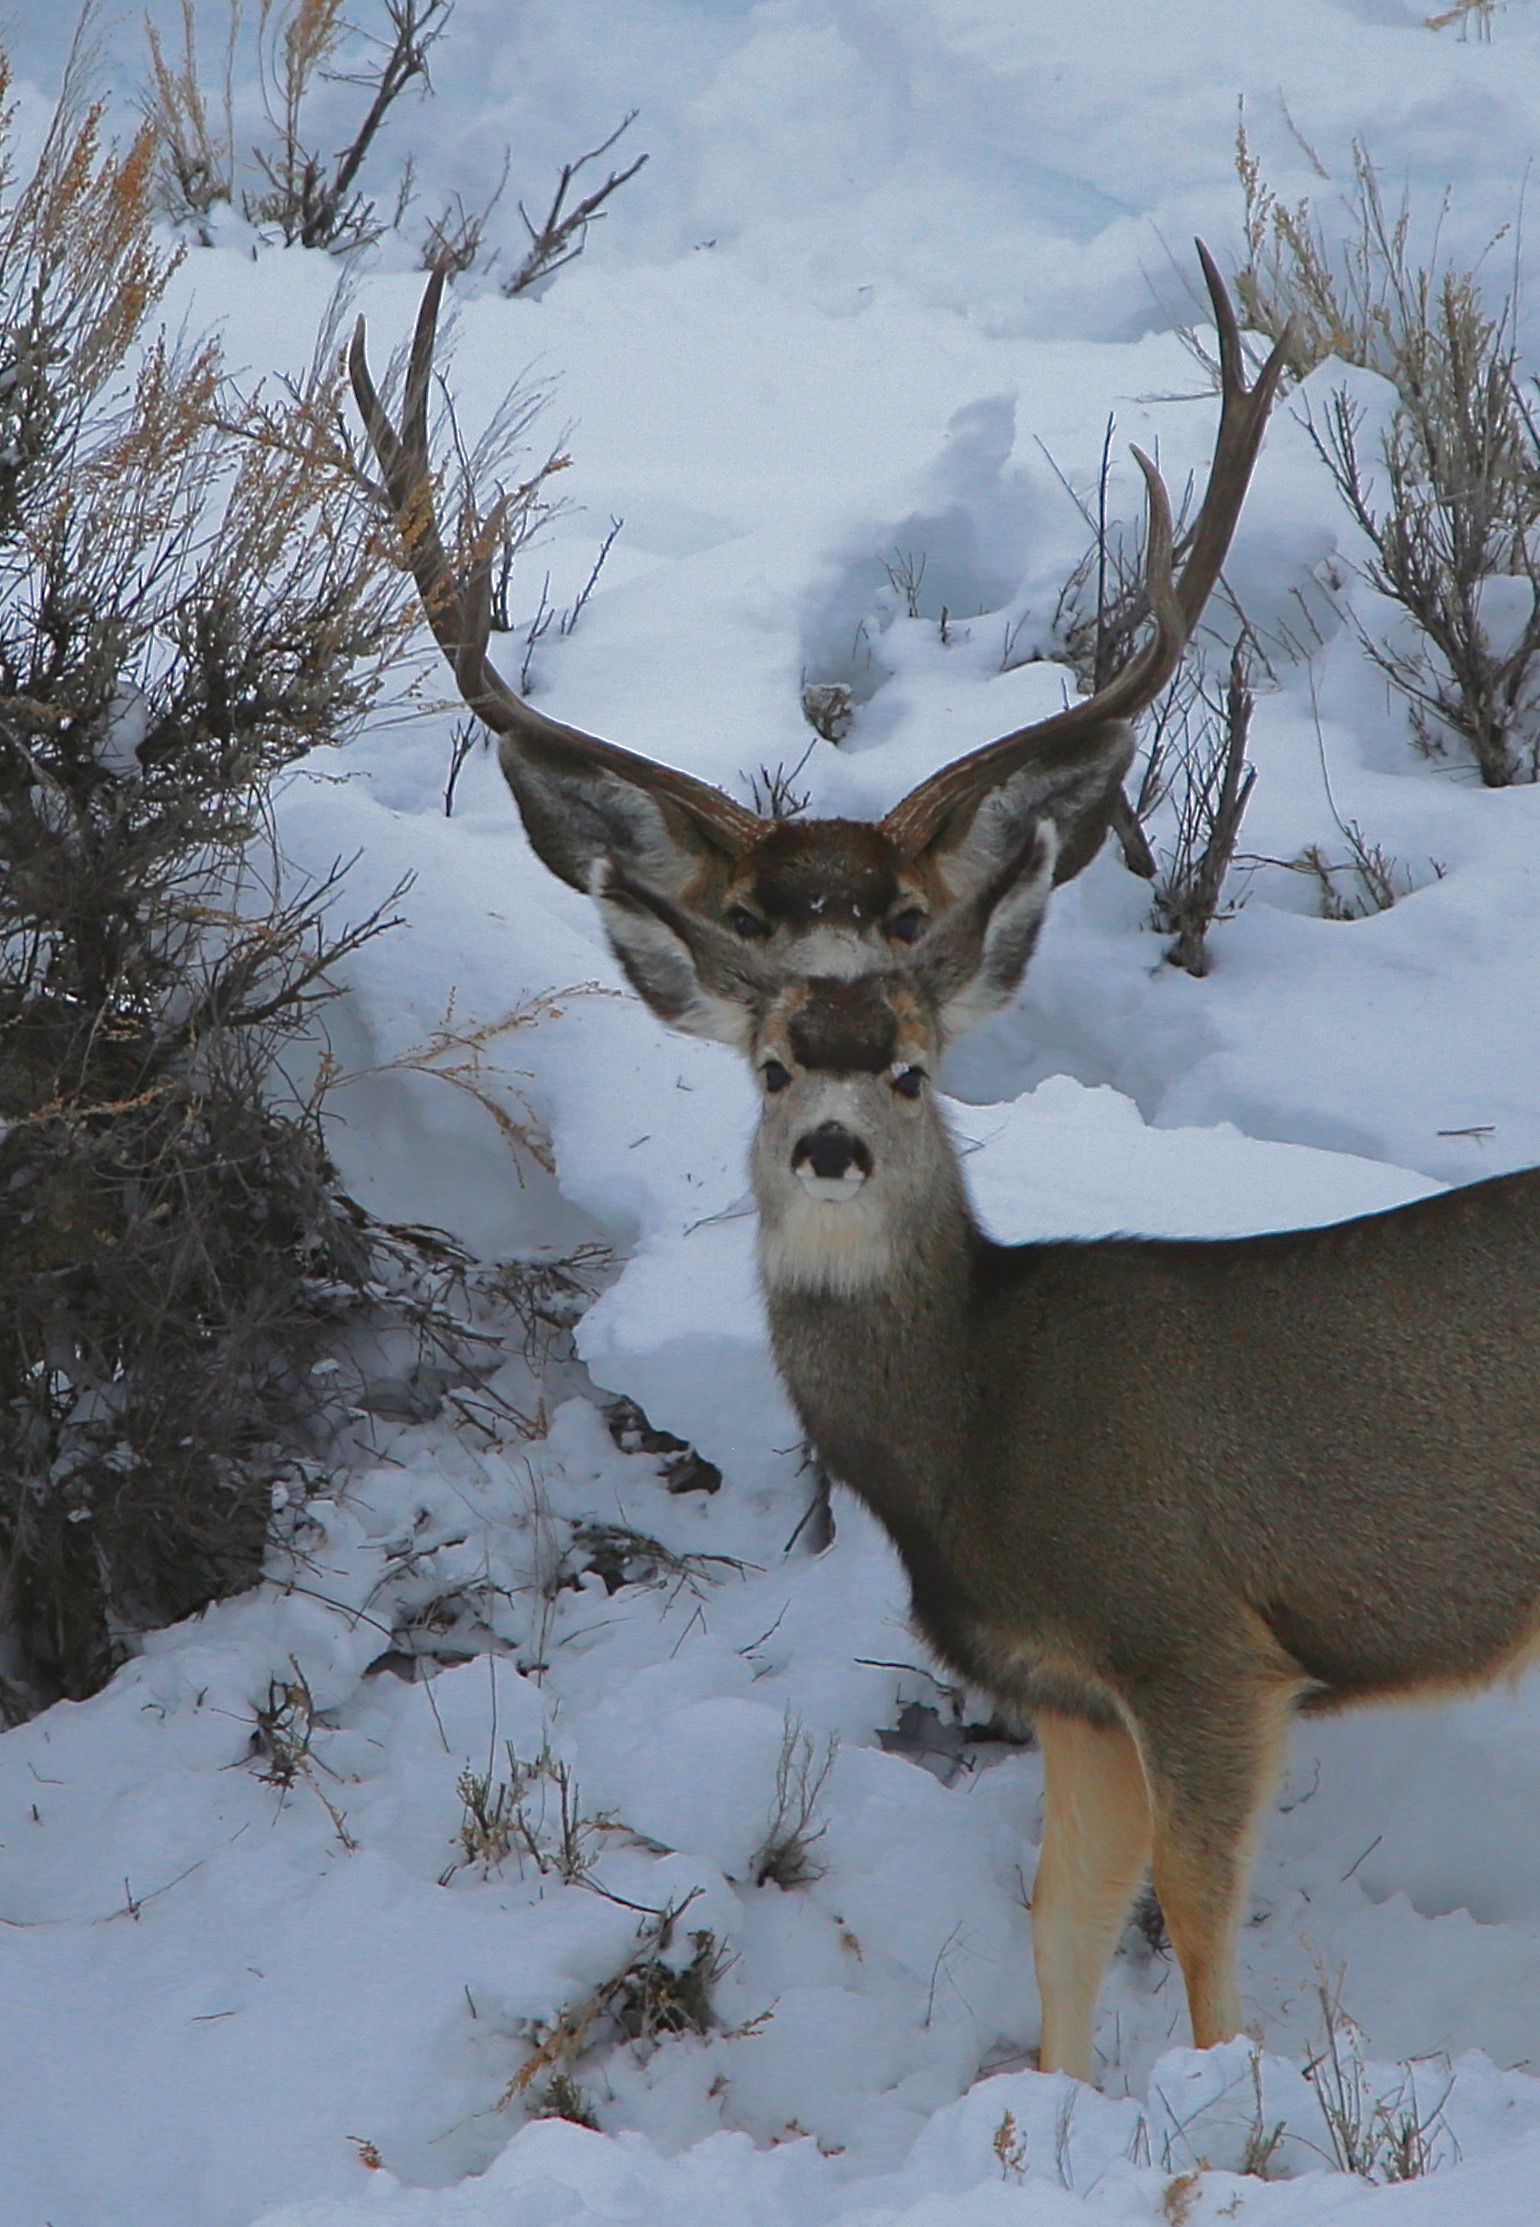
[{"x": 882, "y": 280}]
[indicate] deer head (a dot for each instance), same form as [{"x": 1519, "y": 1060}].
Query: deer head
[
  {"x": 831, "y": 897},
  {"x": 852, "y": 1164}
]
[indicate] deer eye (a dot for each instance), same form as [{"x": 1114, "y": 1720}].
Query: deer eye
[
  {"x": 745, "y": 923},
  {"x": 776, "y": 1076},
  {"x": 909, "y": 1081},
  {"x": 908, "y": 926}
]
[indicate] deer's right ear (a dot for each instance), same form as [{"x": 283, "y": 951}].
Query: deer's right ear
[{"x": 695, "y": 975}]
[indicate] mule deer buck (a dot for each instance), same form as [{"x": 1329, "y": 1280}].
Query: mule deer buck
[{"x": 1161, "y": 1495}]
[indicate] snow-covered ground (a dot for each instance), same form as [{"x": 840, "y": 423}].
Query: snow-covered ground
[{"x": 888, "y": 257}]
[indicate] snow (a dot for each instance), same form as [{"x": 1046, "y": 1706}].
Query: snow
[{"x": 888, "y": 265}]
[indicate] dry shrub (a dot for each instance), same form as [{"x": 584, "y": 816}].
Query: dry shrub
[
  {"x": 194, "y": 132},
  {"x": 1382, "y": 2138},
  {"x": 1199, "y": 760},
  {"x": 1450, "y": 501},
  {"x": 829, "y": 709},
  {"x": 304, "y": 197},
  {"x": 773, "y": 790},
  {"x": 1473, "y": 19},
  {"x": 787, "y": 1855},
  {"x": 656, "y": 1992},
  {"x": 186, "y": 607},
  {"x": 312, "y": 199},
  {"x": 1365, "y": 881},
  {"x": 1103, "y": 604},
  {"x": 1101, "y": 611},
  {"x": 558, "y": 237},
  {"x": 304, "y": 188}
]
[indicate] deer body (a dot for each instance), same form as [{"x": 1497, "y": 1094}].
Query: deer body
[
  {"x": 1161, "y": 1495},
  {"x": 1083, "y": 1451}
]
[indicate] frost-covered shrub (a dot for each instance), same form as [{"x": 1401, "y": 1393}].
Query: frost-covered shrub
[
  {"x": 1448, "y": 497},
  {"x": 184, "y": 610}
]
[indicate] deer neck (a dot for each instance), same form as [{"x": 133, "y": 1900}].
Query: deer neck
[{"x": 871, "y": 1317}]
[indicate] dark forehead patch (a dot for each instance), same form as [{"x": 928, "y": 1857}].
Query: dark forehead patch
[
  {"x": 844, "y": 1025},
  {"x": 834, "y": 870}
]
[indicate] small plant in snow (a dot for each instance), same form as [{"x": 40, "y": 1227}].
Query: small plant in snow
[
  {"x": 618, "y": 1554},
  {"x": 829, "y": 709},
  {"x": 1472, "y": 18},
  {"x": 905, "y": 569},
  {"x": 306, "y": 190},
  {"x": 546, "y": 614},
  {"x": 657, "y": 1992},
  {"x": 1179, "y": 2195},
  {"x": 1367, "y": 881},
  {"x": 462, "y": 1055},
  {"x": 786, "y": 1856},
  {"x": 534, "y": 1813},
  {"x": 1264, "y": 2135},
  {"x": 563, "y": 2098},
  {"x": 304, "y": 197},
  {"x": 773, "y": 791},
  {"x": 1102, "y": 605},
  {"x": 1100, "y": 611},
  {"x": 282, "y": 1736},
  {"x": 1383, "y": 2138},
  {"x": 283, "y": 1730},
  {"x": 558, "y": 237},
  {"x": 1010, "y": 2148},
  {"x": 549, "y": 1292},
  {"x": 487, "y": 1828}
]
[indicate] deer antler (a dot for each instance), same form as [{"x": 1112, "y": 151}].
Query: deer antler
[
  {"x": 583, "y": 799},
  {"x": 1175, "y": 605},
  {"x": 459, "y": 610}
]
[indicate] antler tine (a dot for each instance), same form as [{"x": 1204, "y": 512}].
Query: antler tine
[
  {"x": 1242, "y": 417},
  {"x": 419, "y": 366},
  {"x": 1053, "y": 745},
  {"x": 459, "y": 611},
  {"x": 473, "y": 670},
  {"x": 403, "y": 458}
]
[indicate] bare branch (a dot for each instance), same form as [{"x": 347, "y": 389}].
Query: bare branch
[{"x": 559, "y": 236}]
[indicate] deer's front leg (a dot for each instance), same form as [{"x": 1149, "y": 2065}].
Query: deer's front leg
[
  {"x": 1212, "y": 1757},
  {"x": 1096, "y": 1844}
]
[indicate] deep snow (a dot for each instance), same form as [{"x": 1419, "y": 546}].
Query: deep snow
[{"x": 886, "y": 253}]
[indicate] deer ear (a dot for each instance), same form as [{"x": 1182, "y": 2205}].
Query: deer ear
[
  {"x": 577, "y": 812},
  {"x": 695, "y": 975},
  {"x": 972, "y": 961},
  {"x": 987, "y": 828}
]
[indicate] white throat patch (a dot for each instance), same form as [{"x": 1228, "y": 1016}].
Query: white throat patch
[{"x": 826, "y": 1240}]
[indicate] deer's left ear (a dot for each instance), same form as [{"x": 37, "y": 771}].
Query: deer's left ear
[
  {"x": 973, "y": 960},
  {"x": 986, "y": 827},
  {"x": 695, "y": 975}
]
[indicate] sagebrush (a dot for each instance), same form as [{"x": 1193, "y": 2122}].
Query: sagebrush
[
  {"x": 1447, "y": 497},
  {"x": 191, "y": 597}
]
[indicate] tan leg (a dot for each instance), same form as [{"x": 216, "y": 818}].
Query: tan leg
[
  {"x": 1096, "y": 1844},
  {"x": 1210, "y": 1779}
]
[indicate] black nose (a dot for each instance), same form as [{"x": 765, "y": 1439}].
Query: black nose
[{"x": 832, "y": 1151}]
